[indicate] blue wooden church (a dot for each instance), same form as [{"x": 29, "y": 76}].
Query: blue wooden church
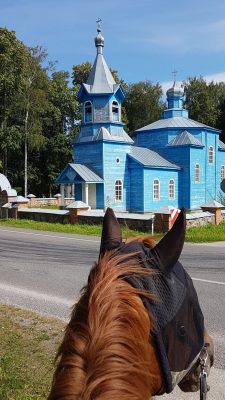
[{"x": 174, "y": 161}]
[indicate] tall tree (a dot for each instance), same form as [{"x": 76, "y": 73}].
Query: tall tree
[
  {"x": 12, "y": 64},
  {"x": 202, "y": 100},
  {"x": 59, "y": 127},
  {"x": 33, "y": 101},
  {"x": 143, "y": 104}
]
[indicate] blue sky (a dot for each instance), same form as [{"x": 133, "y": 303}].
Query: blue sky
[{"x": 144, "y": 39}]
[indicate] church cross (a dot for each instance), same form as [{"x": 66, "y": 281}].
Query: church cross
[
  {"x": 98, "y": 24},
  {"x": 174, "y": 72}
]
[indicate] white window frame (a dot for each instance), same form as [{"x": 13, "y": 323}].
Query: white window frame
[
  {"x": 88, "y": 103},
  {"x": 156, "y": 181},
  {"x": 197, "y": 173},
  {"x": 211, "y": 155},
  {"x": 118, "y": 187},
  {"x": 222, "y": 173},
  {"x": 171, "y": 188}
]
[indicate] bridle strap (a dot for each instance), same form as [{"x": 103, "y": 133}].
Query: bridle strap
[{"x": 203, "y": 376}]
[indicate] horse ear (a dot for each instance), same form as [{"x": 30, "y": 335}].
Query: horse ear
[
  {"x": 111, "y": 232},
  {"x": 168, "y": 250}
]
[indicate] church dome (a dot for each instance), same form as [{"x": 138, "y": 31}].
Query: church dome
[
  {"x": 175, "y": 91},
  {"x": 99, "y": 40}
]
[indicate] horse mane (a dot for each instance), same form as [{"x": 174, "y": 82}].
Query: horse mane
[{"x": 107, "y": 350}]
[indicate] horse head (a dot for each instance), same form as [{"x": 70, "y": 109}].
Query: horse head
[{"x": 138, "y": 329}]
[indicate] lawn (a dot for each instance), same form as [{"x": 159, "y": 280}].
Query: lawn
[
  {"x": 79, "y": 229},
  {"x": 28, "y": 346},
  {"x": 208, "y": 233}
]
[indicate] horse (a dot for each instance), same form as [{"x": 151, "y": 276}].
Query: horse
[{"x": 138, "y": 329}]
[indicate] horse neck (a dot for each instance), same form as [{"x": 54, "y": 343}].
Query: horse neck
[{"x": 112, "y": 357}]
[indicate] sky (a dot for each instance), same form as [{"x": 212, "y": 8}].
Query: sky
[{"x": 144, "y": 39}]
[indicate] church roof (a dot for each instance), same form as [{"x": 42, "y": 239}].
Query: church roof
[
  {"x": 4, "y": 183},
  {"x": 221, "y": 145},
  {"x": 175, "y": 122},
  {"x": 76, "y": 173},
  {"x": 185, "y": 138},
  {"x": 103, "y": 134},
  {"x": 150, "y": 158},
  {"x": 100, "y": 79}
]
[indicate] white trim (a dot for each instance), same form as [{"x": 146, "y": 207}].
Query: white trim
[
  {"x": 118, "y": 108},
  {"x": 222, "y": 167},
  {"x": 155, "y": 199},
  {"x": 199, "y": 173},
  {"x": 91, "y": 120},
  {"x": 121, "y": 185},
  {"x": 211, "y": 155},
  {"x": 171, "y": 198}
]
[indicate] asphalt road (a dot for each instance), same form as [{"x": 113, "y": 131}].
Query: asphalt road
[{"x": 45, "y": 271}]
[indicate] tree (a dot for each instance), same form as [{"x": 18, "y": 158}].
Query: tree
[
  {"x": 202, "y": 100},
  {"x": 12, "y": 64},
  {"x": 33, "y": 102},
  {"x": 59, "y": 128},
  {"x": 143, "y": 104}
]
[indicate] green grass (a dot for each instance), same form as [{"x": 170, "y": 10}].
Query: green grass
[
  {"x": 207, "y": 233},
  {"x": 27, "y": 351},
  {"x": 79, "y": 229}
]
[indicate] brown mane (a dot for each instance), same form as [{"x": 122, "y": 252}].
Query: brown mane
[{"x": 107, "y": 353}]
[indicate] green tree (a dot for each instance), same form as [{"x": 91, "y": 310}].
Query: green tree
[
  {"x": 32, "y": 103},
  {"x": 60, "y": 128},
  {"x": 143, "y": 104},
  {"x": 202, "y": 100},
  {"x": 12, "y": 64}
]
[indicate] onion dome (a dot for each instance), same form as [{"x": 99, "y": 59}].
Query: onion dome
[
  {"x": 99, "y": 39},
  {"x": 175, "y": 91}
]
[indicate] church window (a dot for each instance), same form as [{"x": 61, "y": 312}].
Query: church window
[
  {"x": 171, "y": 189},
  {"x": 88, "y": 112},
  {"x": 118, "y": 190},
  {"x": 115, "y": 111},
  {"x": 211, "y": 155},
  {"x": 222, "y": 173},
  {"x": 156, "y": 189},
  {"x": 117, "y": 160},
  {"x": 197, "y": 173}
]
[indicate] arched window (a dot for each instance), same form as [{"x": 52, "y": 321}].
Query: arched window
[
  {"x": 156, "y": 189},
  {"x": 222, "y": 173},
  {"x": 197, "y": 173},
  {"x": 118, "y": 190},
  {"x": 211, "y": 155},
  {"x": 88, "y": 111},
  {"x": 115, "y": 111},
  {"x": 171, "y": 189}
]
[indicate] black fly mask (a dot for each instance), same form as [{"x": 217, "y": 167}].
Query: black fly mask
[{"x": 179, "y": 322}]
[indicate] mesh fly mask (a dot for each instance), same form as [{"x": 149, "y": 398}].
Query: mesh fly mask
[{"x": 179, "y": 322}]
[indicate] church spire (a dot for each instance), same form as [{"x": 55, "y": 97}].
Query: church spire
[{"x": 99, "y": 40}]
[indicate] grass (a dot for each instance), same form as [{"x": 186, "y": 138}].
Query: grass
[
  {"x": 207, "y": 233},
  {"x": 80, "y": 229},
  {"x": 28, "y": 346}
]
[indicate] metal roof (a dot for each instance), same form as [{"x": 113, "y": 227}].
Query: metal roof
[
  {"x": 4, "y": 183},
  {"x": 150, "y": 158},
  {"x": 221, "y": 145},
  {"x": 104, "y": 134},
  {"x": 212, "y": 204},
  {"x": 175, "y": 122},
  {"x": 185, "y": 138},
  {"x": 85, "y": 173},
  {"x": 100, "y": 79}
]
